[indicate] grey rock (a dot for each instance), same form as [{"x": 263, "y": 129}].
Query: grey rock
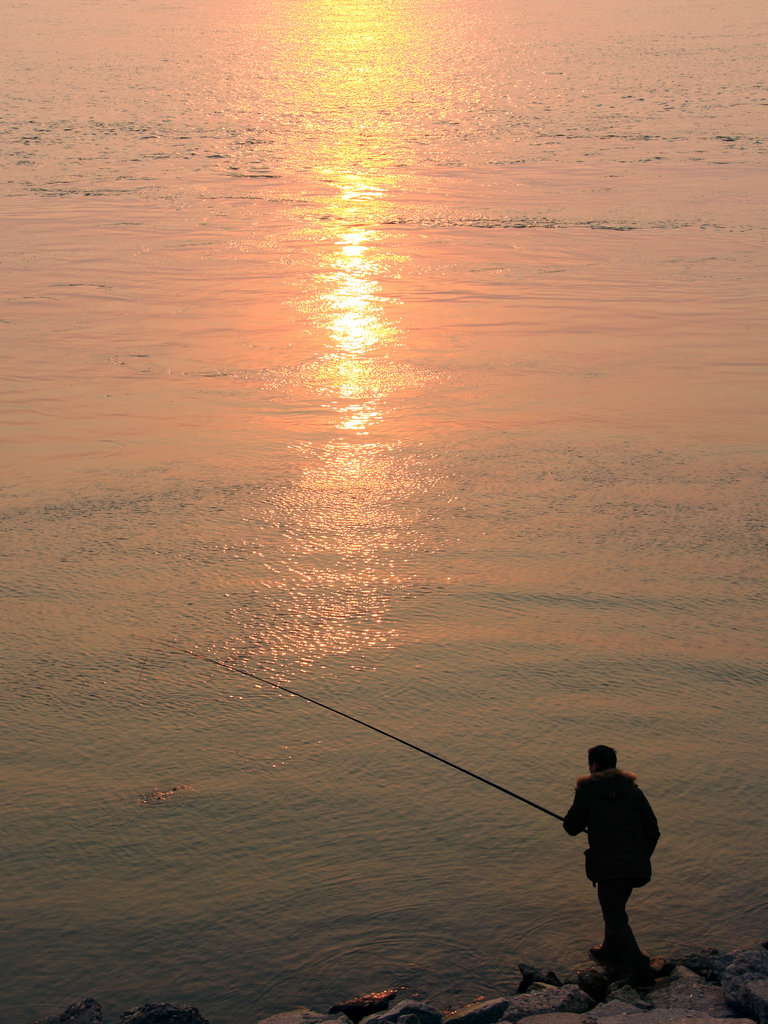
[
  {"x": 163, "y": 1013},
  {"x": 593, "y": 980},
  {"x": 666, "y": 1017},
  {"x": 488, "y": 1012},
  {"x": 745, "y": 984},
  {"x": 533, "y": 975},
  {"x": 407, "y": 1007},
  {"x": 614, "y": 1008},
  {"x": 304, "y": 1016},
  {"x": 709, "y": 964},
  {"x": 555, "y": 1018},
  {"x": 684, "y": 990},
  {"x": 700, "y": 961},
  {"x": 568, "y": 999},
  {"x": 87, "y": 1012},
  {"x": 626, "y": 994}
]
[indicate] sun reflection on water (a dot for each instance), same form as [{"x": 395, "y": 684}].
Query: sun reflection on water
[
  {"x": 342, "y": 536},
  {"x": 357, "y": 372}
]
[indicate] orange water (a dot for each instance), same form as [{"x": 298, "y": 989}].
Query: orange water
[{"x": 411, "y": 355}]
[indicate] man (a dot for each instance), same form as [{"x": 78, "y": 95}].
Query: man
[{"x": 623, "y": 833}]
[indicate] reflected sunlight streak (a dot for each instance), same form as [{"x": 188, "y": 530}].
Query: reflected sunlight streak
[
  {"x": 357, "y": 368},
  {"x": 343, "y": 533}
]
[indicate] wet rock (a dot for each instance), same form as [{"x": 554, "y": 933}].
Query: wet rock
[
  {"x": 303, "y": 1016},
  {"x": 566, "y": 999},
  {"x": 745, "y": 984},
  {"x": 87, "y": 1012},
  {"x": 591, "y": 979},
  {"x": 488, "y": 1012},
  {"x": 406, "y": 1008},
  {"x": 163, "y": 1013},
  {"x": 364, "y": 1006},
  {"x": 534, "y": 975},
  {"x": 684, "y": 990}
]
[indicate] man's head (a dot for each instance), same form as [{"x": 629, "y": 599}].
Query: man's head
[{"x": 601, "y": 758}]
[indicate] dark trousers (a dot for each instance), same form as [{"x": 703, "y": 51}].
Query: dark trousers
[{"x": 619, "y": 941}]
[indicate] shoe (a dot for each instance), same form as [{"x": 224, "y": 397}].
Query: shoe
[{"x": 602, "y": 956}]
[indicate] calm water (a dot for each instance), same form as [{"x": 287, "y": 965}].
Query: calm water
[{"x": 411, "y": 354}]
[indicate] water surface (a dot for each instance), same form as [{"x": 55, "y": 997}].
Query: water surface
[{"x": 411, "y": 355}]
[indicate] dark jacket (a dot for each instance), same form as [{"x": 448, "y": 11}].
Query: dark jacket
[{"x": 621, "y": 826}]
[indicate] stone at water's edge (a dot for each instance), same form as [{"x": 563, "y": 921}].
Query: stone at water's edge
[
  {"x": 87, "y": 1012},
  {"x": 594, "y": 982},
  {"x": 488, "y": 1012},
  {"x": 163, "y": 1013},
  {"x": 364, "y": 1006},
  {"x": 745, "y": 984},
  {"x": 684, "y": 990},
  {"x": 532, "y": 975},
  {"x": 304, "y": 1016},
  {"x": 90, "y": 1012},
  {"x": 567, "y": 999},
  {"x": 709, "y": 964},
  {"x": 407, "y": 1008}
]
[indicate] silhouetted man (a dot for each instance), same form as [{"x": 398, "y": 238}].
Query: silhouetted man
[{"x": 622, "y": 831}]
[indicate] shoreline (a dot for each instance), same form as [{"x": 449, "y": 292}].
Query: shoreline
[{"x": 697, "y": 987}]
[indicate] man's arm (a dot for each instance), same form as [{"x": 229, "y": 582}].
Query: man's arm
[{"x": 576, "y": 819}]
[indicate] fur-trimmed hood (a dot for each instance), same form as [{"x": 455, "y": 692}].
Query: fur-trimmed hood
[{"x": 610, "y": 775}]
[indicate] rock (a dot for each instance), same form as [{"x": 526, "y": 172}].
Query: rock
[
  {"x": 661, "y": 968},
  {"x": 684, "y": 990},
  {"x": 624, "y": 993},
  {"x": 302, "y": 1016},
  {"x": 408, "y": 1007},
  {"x": 663, "y": 1017},
  {"x": 163, "y": 1013},
  {"x": 554, "y": 1018},
  {"x": 488, "y": 1012},
  {"x": 567, "y": 999},
  {"x": 534, "y": 975},
  {"x": 745, "y": 984},
  {"x": 363, "y": 1006},
  {"x": 593, "y": 980},
  {"x": 707, "y": 963},
  {"x": 87, "y": 1012},
  {"x": 614, "y": 1008}
]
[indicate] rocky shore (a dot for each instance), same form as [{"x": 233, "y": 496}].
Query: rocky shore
[{"x": 693, "y": 988}]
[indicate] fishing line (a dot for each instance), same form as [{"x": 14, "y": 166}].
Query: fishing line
[{"x": 343, "y": 714}]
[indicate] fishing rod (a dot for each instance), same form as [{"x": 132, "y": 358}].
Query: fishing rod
[{"x": 343, "y": 714}]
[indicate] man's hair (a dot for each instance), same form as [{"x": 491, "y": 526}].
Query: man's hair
[{"x": 602, "y": 756}]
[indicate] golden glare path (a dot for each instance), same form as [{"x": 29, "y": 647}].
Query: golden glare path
[{"x": 348, "y": 538}]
